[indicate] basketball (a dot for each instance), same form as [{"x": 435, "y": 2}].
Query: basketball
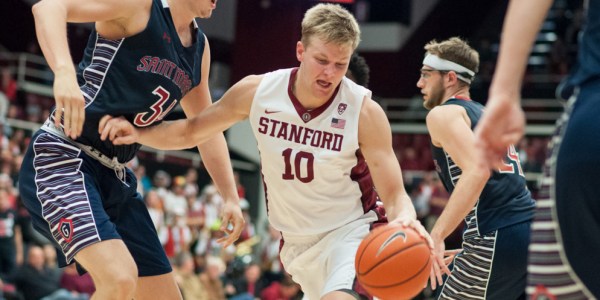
[{"x": 393, "y": 262}]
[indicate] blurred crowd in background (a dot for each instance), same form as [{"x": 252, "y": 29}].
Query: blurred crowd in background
[{"x": 185, "y": 208}]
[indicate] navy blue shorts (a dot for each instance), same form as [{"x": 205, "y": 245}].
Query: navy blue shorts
[
  {"x": 491, "y": 266},
  {"x": 76, "y": 201}
]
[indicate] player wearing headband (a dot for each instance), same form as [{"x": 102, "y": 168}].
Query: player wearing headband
[{"x": 496, "y": 207}]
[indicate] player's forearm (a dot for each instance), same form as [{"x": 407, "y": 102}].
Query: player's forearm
[
  {"x": 51, "y": 29},
  {"x": 168, "y": 135},
  {"x": 401, "y": 207},
  {"x": 215, "y": 156},
  {"x": 463, "y": 198},
  {"x": 521, "y": 25}
]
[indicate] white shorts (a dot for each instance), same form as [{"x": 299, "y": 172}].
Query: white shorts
[{"x": 324, "y": 262}]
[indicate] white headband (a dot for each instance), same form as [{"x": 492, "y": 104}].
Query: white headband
[{"x": 445, "y": 65}]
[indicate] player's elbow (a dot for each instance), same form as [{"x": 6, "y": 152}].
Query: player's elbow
[
  {"x": 38, "y": 8},
  {"x": 42, "y": 7}
]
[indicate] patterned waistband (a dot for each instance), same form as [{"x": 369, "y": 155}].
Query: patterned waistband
[{"x": 112, "y": 163}]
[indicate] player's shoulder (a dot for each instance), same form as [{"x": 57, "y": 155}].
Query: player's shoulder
[
  {"x": 444, "y": 113},
  {"x": 251, "y": 81},
  {"x": 372, "y": 116}
]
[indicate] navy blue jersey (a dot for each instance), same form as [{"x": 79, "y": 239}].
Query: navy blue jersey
[
  {"x": 505, "y": 199},
  {"x": 142, "y": 77},
  {"x": 588, "y": 55}
]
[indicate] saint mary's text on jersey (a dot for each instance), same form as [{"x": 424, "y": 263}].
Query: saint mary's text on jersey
[
  {"x": 301, "y": 135},
  {"x": 167, "y": 69}
]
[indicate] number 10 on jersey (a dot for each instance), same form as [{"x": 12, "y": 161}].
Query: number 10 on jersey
[{"x": 298, "y": 165}]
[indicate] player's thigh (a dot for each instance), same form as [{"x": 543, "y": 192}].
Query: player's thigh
[
  {"x": 157, "y": 287},
  {"x": 341, "y": 271}
]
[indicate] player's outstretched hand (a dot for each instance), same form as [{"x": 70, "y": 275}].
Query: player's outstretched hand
[
  {"x": 118, "y": 130},
  {"x": 438, "y": 264},
  {"x": 232, "y": 223},
  {"x": 70, "y": 105},
  {"x": 450, "y": 254},
  {"x": 502, "y": 125}
]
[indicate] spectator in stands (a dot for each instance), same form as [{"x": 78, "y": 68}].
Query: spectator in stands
[
  {"x": 35, "y": 281},
  {"x": 248, "y": 286},
  {"x": 409, "y": 160},
  {"x": 81, "y": 285},
  {"x": 211, "y": 278},
  {"x": 50, "y": 261},
  {"x": 179, "y": 235},
  {"x": 421, "y": 196},
  {"x": 11, "y": 239},
  {"x": 195, "y": 214},
  {"x": 8, "y": 85},
  {"x": 191, "y": 187},
  {"x": 162, "y": 181},
  {"x": 287, "y": 289},
  {"x": 3, "y": 137},
  {"x": 271, "y": 266},
  {"x": 157, "y": 214},
  {"x": 175, "y": 201},
  {"x": 144, "y": 179},
  {"x": 189, "y": 282},
  {"x": 4, "y": 105},
  {"x": 211, "y": 203}
]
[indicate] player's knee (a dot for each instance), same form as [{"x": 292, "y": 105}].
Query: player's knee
[
  {"x": 125, "y": 284},
  {"x": 119, "y": 286},
  {"x": 118, "y": 280}
]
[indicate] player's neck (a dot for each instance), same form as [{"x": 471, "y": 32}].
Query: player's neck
[
  {"x": 304, "y": 96},
  {"x": 182, "y": 18},
  {"x": 459, "y": 93}
]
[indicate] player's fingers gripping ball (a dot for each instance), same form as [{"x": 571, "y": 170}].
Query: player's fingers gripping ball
[{"x": 393, "y": 262}]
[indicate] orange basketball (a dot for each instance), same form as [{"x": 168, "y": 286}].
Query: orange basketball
[{"x": 393, "y": 262}]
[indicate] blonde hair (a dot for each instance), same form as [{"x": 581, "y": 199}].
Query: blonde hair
[
  {"x": 455, "y": 50},
  {"x": 332, "y": 23}
]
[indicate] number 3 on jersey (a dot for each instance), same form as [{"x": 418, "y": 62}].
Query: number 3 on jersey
[
  {"x": 299, "y": 166},
  {"x": 513, "y": 163},
  {"x": 158, "y": 108}
]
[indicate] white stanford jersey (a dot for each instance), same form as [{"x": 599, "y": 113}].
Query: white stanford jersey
[{"x": 315, "y": 177}]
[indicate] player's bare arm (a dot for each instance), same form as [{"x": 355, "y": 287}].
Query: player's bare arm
[
  {"x": 503, "y": 122},
  {"x": 115, "y": 19},
  {"x": 382, "y": 161},
  {"x": 215, "y": 156},
  {"x": 234, "y": 106},
  {"x": 384, "y": 166},
  {"x": 450, "y": 128}
]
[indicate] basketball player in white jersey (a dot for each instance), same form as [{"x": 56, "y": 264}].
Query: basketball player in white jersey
[{"x": 324, "y": 144}]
